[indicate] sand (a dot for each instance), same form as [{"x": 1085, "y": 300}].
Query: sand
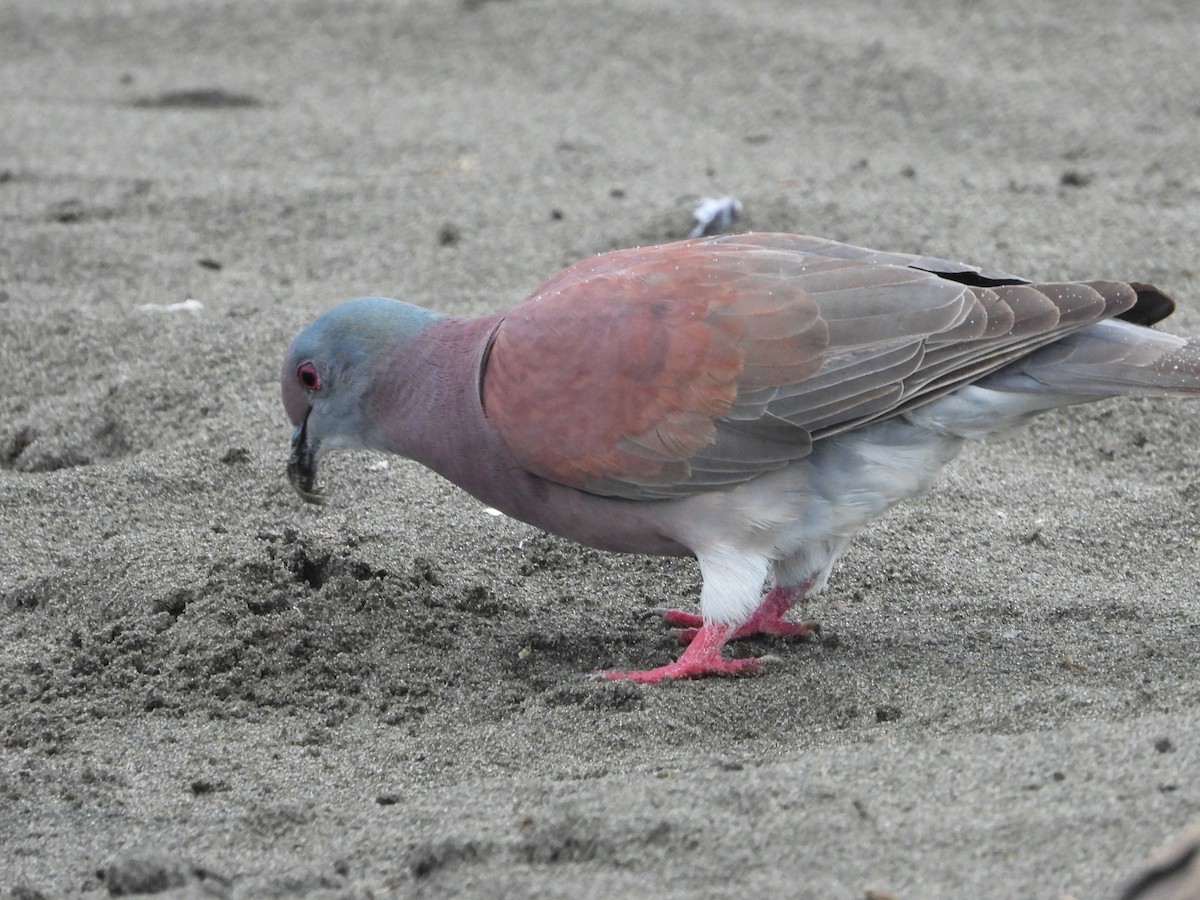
[{"x": 208, "y": 688}]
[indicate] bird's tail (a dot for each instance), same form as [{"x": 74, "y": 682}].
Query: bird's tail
[{"x": 1107, "y": 359}]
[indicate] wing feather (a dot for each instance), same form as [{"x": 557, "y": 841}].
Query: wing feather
[{"x": 671, "y": 370}]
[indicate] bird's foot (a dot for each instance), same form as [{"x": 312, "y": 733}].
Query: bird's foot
[
  {"x": 702, "y": 657},
  {"x": 768, "y": 618}
]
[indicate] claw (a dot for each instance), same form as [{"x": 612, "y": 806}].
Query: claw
[
  {"x": 681, "y": 619},
  {"x": 704, "y": 640},
  {"x": 702, "y": 657}
]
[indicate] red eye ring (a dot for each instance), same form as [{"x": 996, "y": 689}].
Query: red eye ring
[{"x": 306, "y": 374}]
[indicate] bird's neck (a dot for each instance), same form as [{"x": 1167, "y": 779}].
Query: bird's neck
[
  {"x": 429, "y": 406},
  {"x": 429, "y": 409}
]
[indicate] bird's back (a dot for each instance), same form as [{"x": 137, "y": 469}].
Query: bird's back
[{"x": 704, "y": 364}]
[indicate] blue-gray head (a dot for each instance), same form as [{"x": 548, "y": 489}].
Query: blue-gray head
[{"x": 327, "y": 374}]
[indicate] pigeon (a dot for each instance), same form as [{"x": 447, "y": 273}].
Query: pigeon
[{"x": 749, "y": 400}]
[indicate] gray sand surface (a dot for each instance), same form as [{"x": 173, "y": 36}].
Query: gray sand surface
[{"x": 211, "y": 689}]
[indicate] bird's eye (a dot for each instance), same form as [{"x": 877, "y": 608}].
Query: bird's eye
[{"x": 306, "y": 374}]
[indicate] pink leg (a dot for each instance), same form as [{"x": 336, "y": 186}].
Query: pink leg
[
  {"x": 767, "y": 619},
  {"x": 702, "y": 657}
]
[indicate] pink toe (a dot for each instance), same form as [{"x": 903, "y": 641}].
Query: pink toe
[
  {"x": 677, "y": 618},
  {"x": 702, "y": 657}
]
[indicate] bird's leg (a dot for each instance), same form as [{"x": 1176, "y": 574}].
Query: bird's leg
[
  {"x": 705, "y": 639},
  {"x": 766, "y": 619},
  {"x": 702, "y": 657}
]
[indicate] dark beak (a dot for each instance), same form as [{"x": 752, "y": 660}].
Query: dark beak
[{"x": 302, "y": 465}]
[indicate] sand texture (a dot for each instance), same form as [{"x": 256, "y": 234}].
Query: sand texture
[{"x": 210, "y": 689}]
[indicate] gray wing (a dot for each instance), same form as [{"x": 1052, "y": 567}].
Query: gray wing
[
  {"x": 964, "y": 273},
  {"x": 902, "y": 331}
]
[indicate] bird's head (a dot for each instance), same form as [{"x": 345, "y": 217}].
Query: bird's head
[{"x": 329, "y": 374}]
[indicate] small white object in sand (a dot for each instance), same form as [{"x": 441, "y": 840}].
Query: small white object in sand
[
  {"x": 377, "y": 466},
  {"x": 714, "y": 214},
  {"x": 188, "y": 305}
]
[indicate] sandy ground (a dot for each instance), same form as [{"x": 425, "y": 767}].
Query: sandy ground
[{"x": 209, "y": 688}]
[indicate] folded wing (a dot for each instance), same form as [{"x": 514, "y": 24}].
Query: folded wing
[{"x": 666, "y": 371}]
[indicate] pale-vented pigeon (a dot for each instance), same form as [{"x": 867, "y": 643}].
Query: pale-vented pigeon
[{"x": 751, "y": 400}]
